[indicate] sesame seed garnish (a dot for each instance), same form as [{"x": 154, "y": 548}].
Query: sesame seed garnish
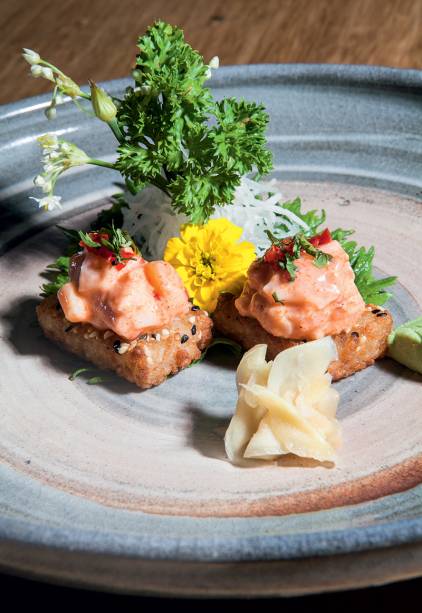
[
  {"x": 107, "y": 334},
  {"x": 192, "y": 319},
  {"x": 157, "y": 337},
  {"x": 355, "y": 334},
  {"x": 195, "y": 308},
  {"x": 376, "y": 311},
  {"x": 116, "y": 346},
  {"x": 382, "y": 314},
  {"x": 92, "y": 334},
  {"x": 123, "y": 348},
  {"x": 153, "y": 336},
  {"x": 184, "y": 338},
  {"x": 165, "y": 332},
  {"x": 143, "y": 337},
  {"x": 68, "y": 329},
  {"x": 193, "y": 330}
]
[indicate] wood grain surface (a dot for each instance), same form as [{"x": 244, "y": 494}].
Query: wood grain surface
[{"x": 96, "y": 38}]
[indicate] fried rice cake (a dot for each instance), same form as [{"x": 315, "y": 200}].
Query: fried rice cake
[
  {"x": 146, "y": 361},
  {"x": 357, "y": 349}
]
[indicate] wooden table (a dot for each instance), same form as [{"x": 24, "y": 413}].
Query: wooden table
[{"x": 96, "y": 38}]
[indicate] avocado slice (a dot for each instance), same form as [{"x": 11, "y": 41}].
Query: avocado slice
[{"x": 405, "y": 344}]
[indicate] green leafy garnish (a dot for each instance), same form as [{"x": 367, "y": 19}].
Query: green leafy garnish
[
  {"x": 372, "y": 290},
  {"x": 78, "y": 372},
  {"x": 314, "y": 219},
  {"x": 91, "y": 381},
  {"x": 170, "y": 131},
  {"x": 178, "y": 137},
  {"x": 235, "y": 348},
  {"x": 57, "y": 275},
  {"x": 96, "y": 380},
  {"x": 112, "y": 216}
]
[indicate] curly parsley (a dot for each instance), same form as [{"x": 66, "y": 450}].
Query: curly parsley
[{"x": 171, "y": 132}]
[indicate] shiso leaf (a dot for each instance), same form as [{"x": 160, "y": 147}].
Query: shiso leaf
[{"x": 234, "y": 347}]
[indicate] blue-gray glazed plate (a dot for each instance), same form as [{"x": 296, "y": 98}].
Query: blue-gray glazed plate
[{"x": 110, "y": 487}]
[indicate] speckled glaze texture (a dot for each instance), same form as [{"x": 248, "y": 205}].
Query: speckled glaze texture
[{"x": 110, "y": 473}]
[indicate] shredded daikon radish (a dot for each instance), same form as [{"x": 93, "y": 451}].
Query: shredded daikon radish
[{"x": 256, "y": 207}]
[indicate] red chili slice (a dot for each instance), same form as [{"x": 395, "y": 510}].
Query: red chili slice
[{"x": 321, "y": 239}]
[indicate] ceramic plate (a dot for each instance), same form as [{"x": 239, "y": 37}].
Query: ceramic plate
[{"x": 111, "y": 487}]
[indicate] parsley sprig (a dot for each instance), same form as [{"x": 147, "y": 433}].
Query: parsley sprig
[{"x": 171, "y": 132}]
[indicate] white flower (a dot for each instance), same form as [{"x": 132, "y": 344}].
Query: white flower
[
  {"x": 214, "y": 62},
  {"x": 36, "y": 71},
  {"x": 40, "y": 181},
  {"x": 58, "y": 156},
  {"x": 47, "y": 73},
  {"x": 49, "y": 142},
  {"x": 32, "y": 57},
  {"x": 50, "y": 113},
  {"x": 49, "y": 203}
]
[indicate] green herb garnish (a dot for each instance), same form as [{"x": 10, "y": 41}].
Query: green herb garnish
[
  {"x": 96, "y": 380},
  {"x": 170, "y": 131},
  {"x": 57, "y": 275},
  {"x": 235, "y": 348},
  {"x": 78, "y": 372}
]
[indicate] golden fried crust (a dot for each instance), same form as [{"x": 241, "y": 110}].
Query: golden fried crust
[
  {"x": 146, "y": 361},
  {"x": 357, "y": 349}
]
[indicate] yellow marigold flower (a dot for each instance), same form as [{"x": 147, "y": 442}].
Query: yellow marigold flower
[{"x": 210, "y": 259}]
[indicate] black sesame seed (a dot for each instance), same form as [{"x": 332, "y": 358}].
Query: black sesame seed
[
  {"x": 116, "y": 346},
  {"x": 139, "y": 216},
  {"x": 195, "y": 308},
  {"x": 383, "y": 314},
  {"x": 376, "y": 311},
  {"x": 193, "y": 330},
  {"x": 154, "y": 336},
  {"x": 355, "y": 334},
  {"x": 68, "y": 329},
  {"x": 184, "y": 338},
  {"x": 143, "y": 337}
]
